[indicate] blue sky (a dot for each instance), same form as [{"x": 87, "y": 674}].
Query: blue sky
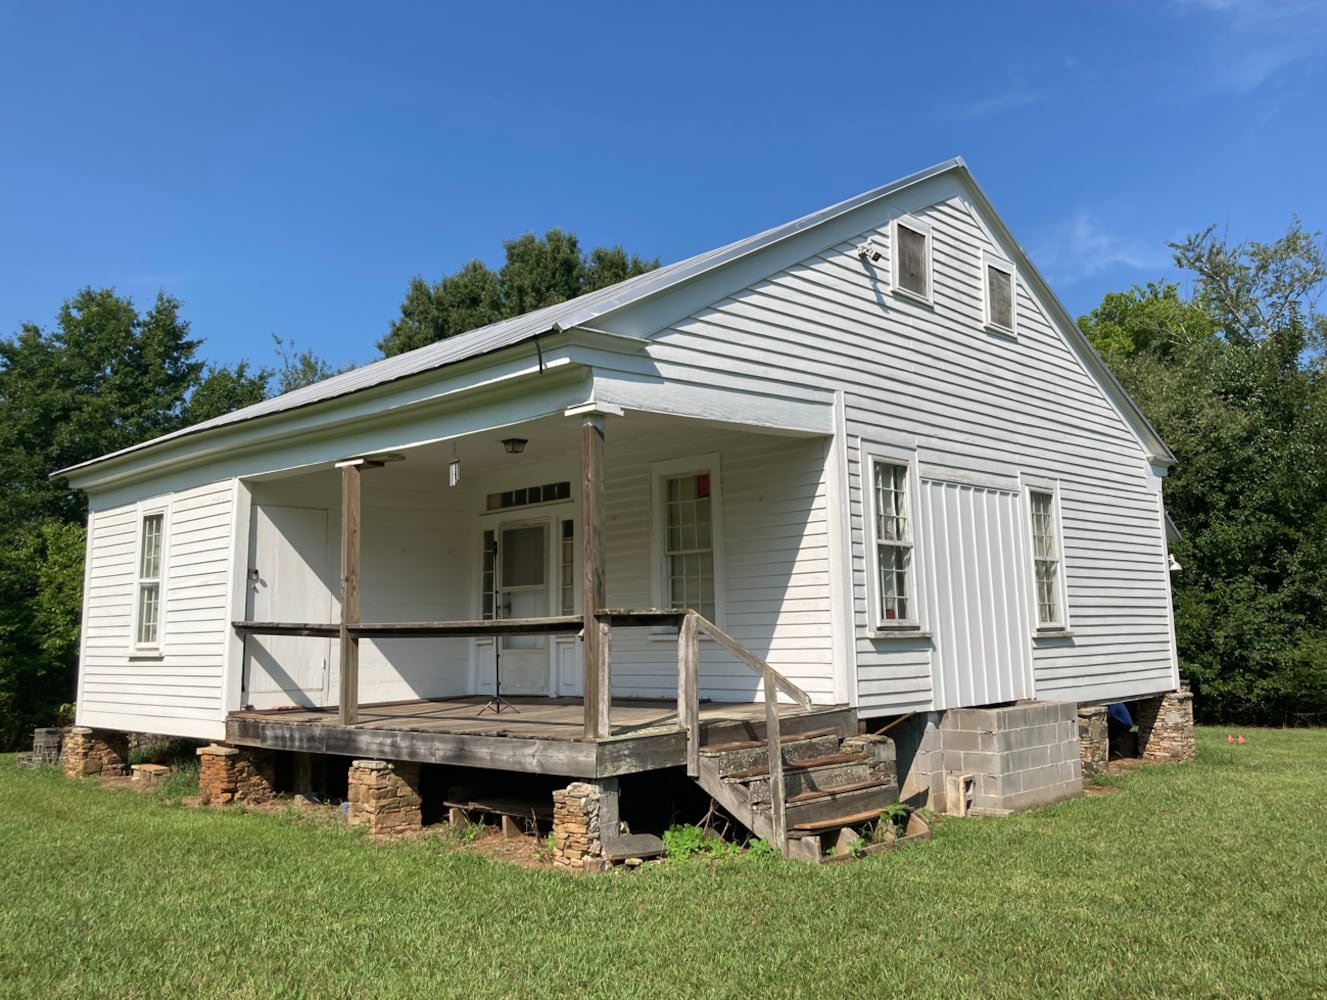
[{"x": 286, "y": 168}]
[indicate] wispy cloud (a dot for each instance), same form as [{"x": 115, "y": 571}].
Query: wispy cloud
[
  {"x": 1081, "y": 247},
  {"x": 1256, "y": 41},
  {"x": 996, "y": 104}
]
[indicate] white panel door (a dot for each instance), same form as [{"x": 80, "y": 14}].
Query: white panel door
[
  {"x": 976, "y": 594},
  {"x": 522, "y": 587},
  {"x": 288, "y": 582}
]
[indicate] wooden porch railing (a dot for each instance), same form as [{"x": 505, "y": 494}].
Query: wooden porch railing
[{"x": 690, "y": 627}]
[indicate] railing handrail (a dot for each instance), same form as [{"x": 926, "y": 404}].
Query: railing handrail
[
  {"x": 771, "y": 682},
  {"x": 555, "y": 625}
]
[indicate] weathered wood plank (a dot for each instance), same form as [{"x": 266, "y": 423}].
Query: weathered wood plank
[
  {"x": 688, "y": 704},
  {"x": 350, "y": 545},
  {"x": 531, "y": 756},
  {"x": 603, "y": 721},
  {"x": 321, "y": 631},
  {"x": 557, "y": 625},
  {"x": 640, "y": 617},
  {"x": 597, "y": 695},
  {"x": 773, "y": 738}
]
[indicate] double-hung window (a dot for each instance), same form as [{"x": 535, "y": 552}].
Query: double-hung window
[
  {"x": 687, "y": 521},
  {"x": 894, "y": 596},
  {"x": 151, "y": 560},
  {"x": 1046, "y": 558}
]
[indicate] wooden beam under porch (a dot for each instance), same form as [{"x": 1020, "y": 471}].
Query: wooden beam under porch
[{"x": 543, "y": 735}]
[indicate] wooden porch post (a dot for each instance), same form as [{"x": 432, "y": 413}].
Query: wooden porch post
[
  {"x": 598, "y": 683},
  {"x": 350, "y": 544}
]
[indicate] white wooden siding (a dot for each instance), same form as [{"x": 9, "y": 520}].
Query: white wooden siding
[
  {"x": 180, "y": 691},
  {"x": 980, "y": 404},
  {"x": 775, "y": 551}
]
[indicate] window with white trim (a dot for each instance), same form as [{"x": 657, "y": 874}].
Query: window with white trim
[
  {"x": 912, "y": 258},
  {"x": 151, "y": 558},
  {"x": 689, "y": 543},
  {"x": 896, "y": 601},
  {"x": 1046, "y": 559},
  {"x": 1000, "y": 285},
  {"x": 687, "y": 518}
]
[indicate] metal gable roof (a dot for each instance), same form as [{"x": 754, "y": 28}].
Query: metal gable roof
[{"x": 563, "y": 316}]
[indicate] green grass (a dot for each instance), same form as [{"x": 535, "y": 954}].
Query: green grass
[{"x": 1193, "y": 880}]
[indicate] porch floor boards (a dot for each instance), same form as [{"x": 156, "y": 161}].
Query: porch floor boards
[{"x": 542, "y": 735}]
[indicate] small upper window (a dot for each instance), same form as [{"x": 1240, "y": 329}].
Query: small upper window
[
  {"x": 914, "y": 260},
  {"x": 152, "y": 534},
  {"x": 999, "y": 295}
]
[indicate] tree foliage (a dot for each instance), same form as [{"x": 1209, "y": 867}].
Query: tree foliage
[
  {"x": 539, "y": 271},
  {"x": 1231, "y": 376},
  {"x": 103, "y": 378}
]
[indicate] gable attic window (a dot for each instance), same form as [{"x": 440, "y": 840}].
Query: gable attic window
[
  {"x": 147, "y": 606},
  {"x": 1000, "y": 285},
  {"x": 912, "y": 258}
]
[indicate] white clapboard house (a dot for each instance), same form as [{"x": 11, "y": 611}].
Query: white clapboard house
[{"x": 868, "y": 450}]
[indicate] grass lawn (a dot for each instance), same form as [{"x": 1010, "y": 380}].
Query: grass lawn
[{"x": 1200, "y": 879}]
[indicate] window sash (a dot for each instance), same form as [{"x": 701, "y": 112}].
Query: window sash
[
  {"x": 1000, "y": 296},
  {"x": 893, "y": 543},
  {"x": 147, "y": 630},
  {"x": 688, "y": 543},
  {"x": 912, "y": 270},
  {"x": 1046, "y": 558}
]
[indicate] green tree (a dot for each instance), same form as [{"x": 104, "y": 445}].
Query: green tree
[
  {"x": 300, "y": 368},
  {"x": 105, "y": 377},
  {"x": 1231, "y": 378},
  {"x": 222, "y": 390},
  {"x": 539, "y": 271}
]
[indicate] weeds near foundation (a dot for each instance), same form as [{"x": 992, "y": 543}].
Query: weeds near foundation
[
  {"x": 174, "y": 752},
  {"x": 180, "y": 784},
  {"x": 684, "y": 842}
]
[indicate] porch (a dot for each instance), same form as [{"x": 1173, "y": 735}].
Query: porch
[{"x": 533, "y": 735}]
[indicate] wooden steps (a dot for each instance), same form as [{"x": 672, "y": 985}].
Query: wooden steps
[{"x": 824, "y": 786}]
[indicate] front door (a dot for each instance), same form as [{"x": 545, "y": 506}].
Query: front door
[
  {"x": 288, "y": 583},
  {"x": 521, "y": 591}
]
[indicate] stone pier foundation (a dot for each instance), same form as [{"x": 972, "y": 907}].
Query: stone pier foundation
[
  {"x": 384, "y": 796},
  {"x": 94, "y": 751},
  {"x": 577, "y": 845},
  {"x": 1165, "y": 726},
  {"x": 1093, "y": 739},
  {"x": 235, "y": 774}
]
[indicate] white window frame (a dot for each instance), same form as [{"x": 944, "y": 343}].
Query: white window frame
[
  {"x": 1050, "y": 488},
  {"x": 990, "y": 261},
  {"x": 660, "y": 472},
  {"x": 872, "y": 454},
  {"x": 896, "y": 257},
  {"x": 140, "y": 581}
]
